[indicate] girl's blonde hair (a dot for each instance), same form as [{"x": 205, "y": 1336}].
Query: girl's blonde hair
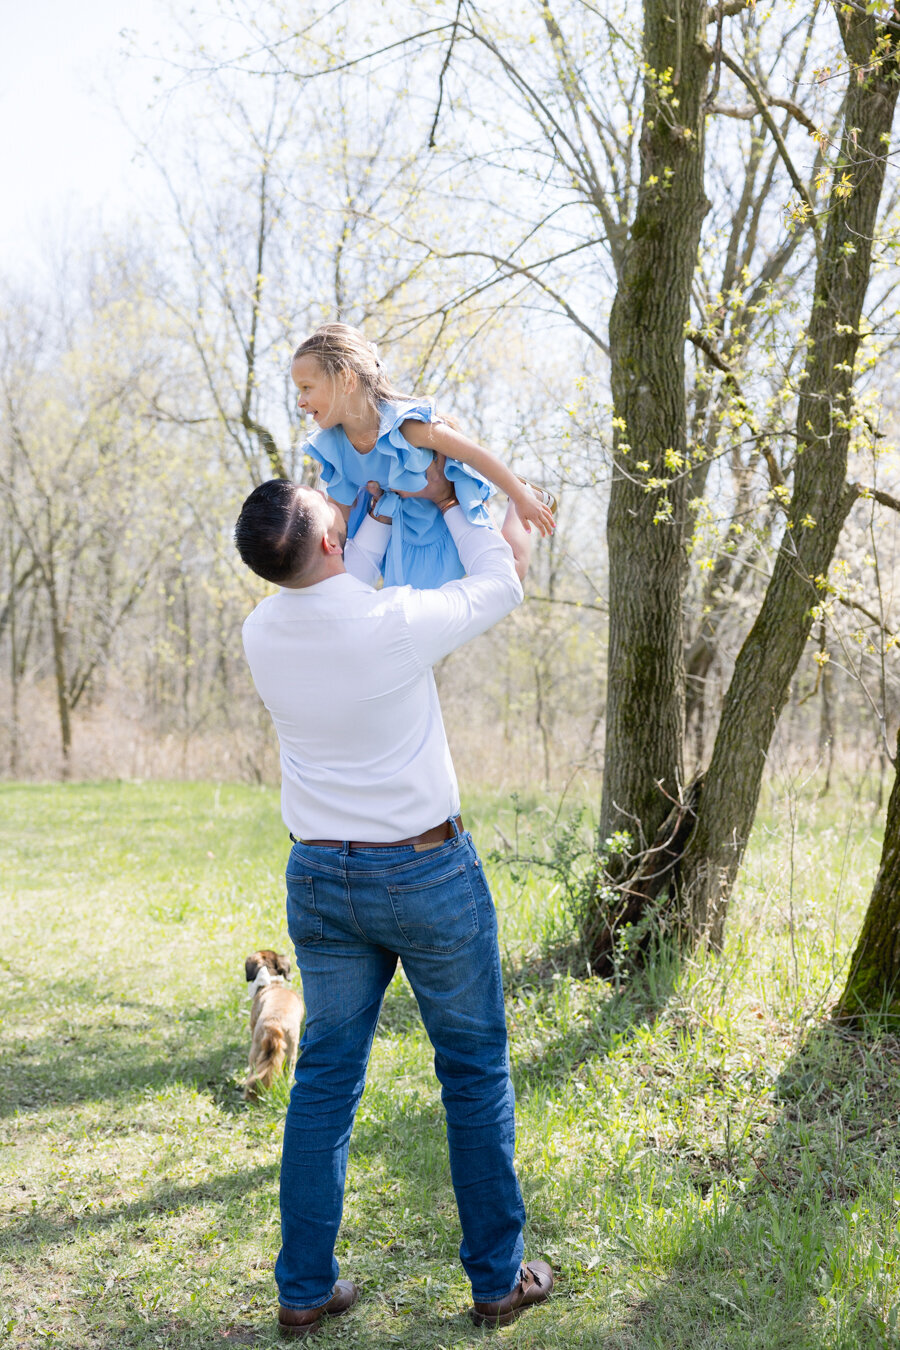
[{"x": 338, "y": 348}]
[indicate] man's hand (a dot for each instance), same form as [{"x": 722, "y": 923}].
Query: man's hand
[
  {"x": 437, "y": 489},
  {"x": 376, "y": 493}
]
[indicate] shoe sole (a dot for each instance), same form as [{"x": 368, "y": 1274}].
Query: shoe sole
[
  {"x": 493, "y": 1323},
  {"x": 295, "y": 1332},
  {"x": 504, "y": 1319}
]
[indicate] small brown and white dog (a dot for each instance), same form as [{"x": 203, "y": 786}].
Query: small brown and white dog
[{"x": 276, "y": 1016}]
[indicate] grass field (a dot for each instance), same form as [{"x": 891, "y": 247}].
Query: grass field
[{"x": 706, "y": 1162}]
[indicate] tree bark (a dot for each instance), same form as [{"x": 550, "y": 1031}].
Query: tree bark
[
  {"x": 873, "y": 985},
  {"x": 645, "y": 524},
  {"x": 821, "y": 495}
]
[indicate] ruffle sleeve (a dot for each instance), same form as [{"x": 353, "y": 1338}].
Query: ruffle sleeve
[
  {"x": 472, "y": 489},
  {"x": 407, "y": 462},
  {"x": 327, "y": 446}
]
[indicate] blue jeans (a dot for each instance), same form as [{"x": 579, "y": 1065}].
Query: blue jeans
[{"x": 351, "y": 913}]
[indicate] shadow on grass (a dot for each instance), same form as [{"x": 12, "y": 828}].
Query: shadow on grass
[
  {"x": 179, "y": 1333},
  {"x": 202, "y": 1048},
  {"x": 106, "y": 1049},
  {"x": 551, "y": 1043},
  {"x": 40, "y": 1228},
  {"x": 547, "y": 1043},
  {"x": 800, "y": 1256},
  {"x": 140, "y": 1045},
  {"x": 118, "y": 1069}
]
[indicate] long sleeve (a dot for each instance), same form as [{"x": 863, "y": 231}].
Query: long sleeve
[
  {"x": 443, "y": 619},
  {"x": 364, "y": 553}
]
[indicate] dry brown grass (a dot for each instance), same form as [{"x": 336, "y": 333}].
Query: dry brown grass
[{"x": 117, "y": 739}]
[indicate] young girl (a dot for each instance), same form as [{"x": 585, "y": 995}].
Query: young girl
[{"x": 369, "y": 432}]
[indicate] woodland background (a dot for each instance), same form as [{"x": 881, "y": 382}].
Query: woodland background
[{"x": 458, "y": 182}]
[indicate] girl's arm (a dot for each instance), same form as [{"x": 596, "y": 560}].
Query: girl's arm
[{"x": 446, "y": 440}]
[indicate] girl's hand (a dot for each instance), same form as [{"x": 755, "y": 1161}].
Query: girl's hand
[
  {"x": 376, "y": 492},
  {"x": 532, "y": 510}
]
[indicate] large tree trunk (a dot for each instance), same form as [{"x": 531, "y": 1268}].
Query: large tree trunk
[
  {"x": 873, "y": 985},
  {"x": 645, "y": 529},
  {"x": 821, "y": 496}
]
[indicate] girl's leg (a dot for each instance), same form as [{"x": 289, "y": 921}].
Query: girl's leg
[{"x": 518, "y": 538}]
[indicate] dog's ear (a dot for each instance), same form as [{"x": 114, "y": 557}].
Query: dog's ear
[
  {"x": 251, "y": 967},
  {"x": 283, "y": 966}
]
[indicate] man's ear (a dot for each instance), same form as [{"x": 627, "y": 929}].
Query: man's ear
[{"x": 331, "y": 546}]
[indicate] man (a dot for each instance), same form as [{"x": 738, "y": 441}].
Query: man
[{"x": 381, "y": 869}]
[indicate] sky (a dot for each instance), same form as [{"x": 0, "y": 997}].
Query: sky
[{"x": 66, "y": 155}]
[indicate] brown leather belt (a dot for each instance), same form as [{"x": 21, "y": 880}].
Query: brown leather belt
[{"x": 436, "y": 835}]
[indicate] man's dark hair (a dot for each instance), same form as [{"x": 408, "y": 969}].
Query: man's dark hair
[{"x": 276, "y": 531}]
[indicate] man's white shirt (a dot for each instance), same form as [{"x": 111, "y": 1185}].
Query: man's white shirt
[{"x": 346, "y": 674}]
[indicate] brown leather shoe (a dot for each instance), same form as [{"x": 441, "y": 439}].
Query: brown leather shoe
[
  {"x": 535, "y": 1285},
  {"x": 303, "y": 1321}
]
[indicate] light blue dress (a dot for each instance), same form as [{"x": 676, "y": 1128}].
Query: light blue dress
[{"x": 421, "y": 551}]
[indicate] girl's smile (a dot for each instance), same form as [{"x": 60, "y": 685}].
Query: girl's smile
[
  {"x": 319, "y": 395},
  {"x": 334, "y": 400}
]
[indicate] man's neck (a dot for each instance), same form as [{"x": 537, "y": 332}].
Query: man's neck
[{"x": 332, "y": 566}]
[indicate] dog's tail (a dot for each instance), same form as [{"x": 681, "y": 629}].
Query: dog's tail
[{"x": 270, "y": 1062}]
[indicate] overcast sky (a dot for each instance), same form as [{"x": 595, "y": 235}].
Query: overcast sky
[{"x": 65, "y": 155}]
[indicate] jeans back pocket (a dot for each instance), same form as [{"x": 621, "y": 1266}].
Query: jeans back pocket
[{"x": 436, "y": 914}]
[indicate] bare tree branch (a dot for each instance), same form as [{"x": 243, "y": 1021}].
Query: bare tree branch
[
  {"x": 883, "y": 498},
  {"x": 762, "y": 102},
  {"x": 727, "y": 9},
  {"x": 795, "y": 111},
  {"x": 744, "y": 114},
  {"x": 703, "y": 344},
  {"x": 573, "y": 604},
  {"x": 444, "y": 69},
  {"x": 873, "y": 618}
]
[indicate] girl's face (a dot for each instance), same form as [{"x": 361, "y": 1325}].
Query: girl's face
[{"x": 322, "y": 396}]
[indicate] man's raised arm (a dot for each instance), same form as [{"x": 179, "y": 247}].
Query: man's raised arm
[
  {"x": 364, "y": 553},
  {"x": 443, "y": 619}
]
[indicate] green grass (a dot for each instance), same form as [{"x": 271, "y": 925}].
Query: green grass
[{"x": 705, "y": 1160}]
